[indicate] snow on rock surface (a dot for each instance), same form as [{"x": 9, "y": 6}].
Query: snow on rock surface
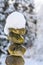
[{"x": 14, "y": 20}]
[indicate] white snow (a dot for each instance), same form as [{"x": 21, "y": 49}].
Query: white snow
[
  {"x": 38, "y": 4},
  {"x": 15, "y": 20},
  {"x": 2, "y": 5},
  {"x": 2, "y": 59},
  {"x": 36, "y": 52},
  {"x": 11, "y": 1},
  {"x": 10, "y": 9},
  {"x": 2, "y": 17},
  {"x": 32, "y": 62},
  {"x": 3, "y": 36},
  {"x": 38, "y": 44}
]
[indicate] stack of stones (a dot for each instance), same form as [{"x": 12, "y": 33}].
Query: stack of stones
[
  {"x": 26, "y": 7},
  {"x": 15, "y": 34}
]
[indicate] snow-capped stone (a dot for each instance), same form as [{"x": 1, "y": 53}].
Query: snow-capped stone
[{"x": 15, "y": 20}]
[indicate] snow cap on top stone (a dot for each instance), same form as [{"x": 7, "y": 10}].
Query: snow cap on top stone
[{"x": 15, "y": 20}]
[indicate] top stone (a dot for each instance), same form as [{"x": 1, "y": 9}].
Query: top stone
[{"x": 15, "y": 20}]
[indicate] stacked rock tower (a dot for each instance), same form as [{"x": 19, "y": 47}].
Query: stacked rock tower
[{"x": 15, "y": 30}]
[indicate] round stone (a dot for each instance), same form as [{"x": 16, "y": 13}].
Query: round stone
[
  {"x": 14, "y": 20},
  {"x": 16, "y": 38},
  {"x": 14, "y": 60},
  {"x": 16, "y": 50},
  {"x": 21, "y": 31}
]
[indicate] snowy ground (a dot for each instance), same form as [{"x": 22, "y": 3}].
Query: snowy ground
[{"x": 27, "y": 61}]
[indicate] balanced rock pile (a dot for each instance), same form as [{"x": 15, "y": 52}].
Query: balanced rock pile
[{"x": 15, "y": 30}]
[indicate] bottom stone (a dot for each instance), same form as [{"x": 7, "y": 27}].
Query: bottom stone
[{"x": 14, "y": 60}]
